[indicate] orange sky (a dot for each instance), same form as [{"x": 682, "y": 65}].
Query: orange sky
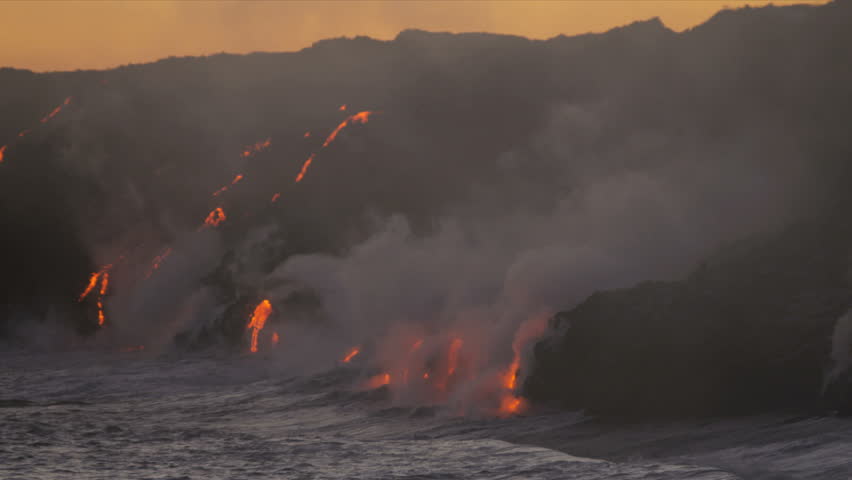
[{"x": 67, "y": 34}]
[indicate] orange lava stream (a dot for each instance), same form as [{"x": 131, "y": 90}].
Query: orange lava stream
[
  {"x": 258, "y": 320},
  {"x": 251, "y": 150},
  {"x": 305, "y": 166},
  {"x": 453, "y": 356},
  {"x": 352, "y": 353},
  {"x": 360, "y": 117},
  {"x": 93, "y": 281},
  {"x": 215, "y": 218},
  {"x": 226, "y": 187},
  {"x": 55, "y": 111},
  {"x": 377, "y": 381},
  {"x": 158, "y": 260},
  {"x": 2, "y": 153}
]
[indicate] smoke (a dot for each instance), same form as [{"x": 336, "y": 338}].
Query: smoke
[{"x": 576, "y": 211}]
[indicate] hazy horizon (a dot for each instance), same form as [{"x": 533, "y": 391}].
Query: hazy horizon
[{"x": 84, "y": 35}]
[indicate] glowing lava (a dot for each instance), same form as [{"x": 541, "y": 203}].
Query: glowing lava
[
  {"x": 55, "y": 111},
  {"x": 226, "y": 187},
  {"x": 342, "y": 108},
  {"x": 377, "y": 381},
  {"x": 453, "y": 356},
  {"x": 2, "y": 153},
  {"x": 510, "y": 405},
  {"x": 529, "y": 330},
  {"x": 215, "y": 218},
  {"x": 352, "y": 353},
  {"x": 158, "y": 260},
  {"x": 275, "y": 198},
  {"x": 275, "y": 338},
  {"x": 258, "y": 320},
  {"x": 305, "y": 166},
  {"x": 251, "y": 150},
  {"x": 360, "y": 117}
]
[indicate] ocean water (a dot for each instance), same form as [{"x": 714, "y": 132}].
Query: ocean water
[{"x": 155, "y": 416}]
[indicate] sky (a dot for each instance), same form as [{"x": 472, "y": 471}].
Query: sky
[{"x": 47, "y": 35}]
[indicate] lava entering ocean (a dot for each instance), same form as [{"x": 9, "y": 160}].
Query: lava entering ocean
[{"x": 258, "y": 321}]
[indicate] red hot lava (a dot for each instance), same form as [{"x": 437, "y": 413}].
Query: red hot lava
[
  {"x": 258, "y": 321},
  {"x": 55, "y": 111},
  {"x": 251, "y": 150},
  {"x": 215, "y": 218},
  {"x": 360, "y": 117},
  {"x": 352, "y": 353}
]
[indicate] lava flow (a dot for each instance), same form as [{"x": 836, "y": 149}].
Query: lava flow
[
  {"x": 352, "y": 353},
  {"x": 377, "y": 381},
  {"x": 226, "y": 187},
  {"x": 511, "y": 404},
  {"x": 55, "y": 111},
  {"x": 2, "y": 153},
  {"x": 251, "y": 150},
  {"x": 215, "y": 218},
  {"x": 158, "y": 260},
  {"x": 305, "y": 166},
  {"x": 258, "y": 320},
  {"x": 101, "y": 276},
  {"x": 360, "y": 117},
  {"x": 453, "y": 356}
]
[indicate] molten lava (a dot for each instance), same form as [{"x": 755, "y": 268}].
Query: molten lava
[
  {"x": 377, "y": 381},
  {"x": 360, "y": 117},
  {"x": 305, "y": 166},
  {"x": 510, "y": 405},
  {"x": 158, "y": 260},
  {"x": 453, "y": 356},
  {"x": 104, "y": 285},
  {"x": 342, "y": 108},
  {"x": 226, "y": 187},
  {"x": 352, "y": 353},
  {"x": 275, "y": 198},
  {"x": 529, "y": 330},
  {"x": 214, "y": 218},
  {"x": 251, "y": 150},
  {"x": 258, "y": 320},
  {"x": 55, "y": 111},
  {"x": 2, "y": 153},
  {"x": 275, "y": 338}
]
